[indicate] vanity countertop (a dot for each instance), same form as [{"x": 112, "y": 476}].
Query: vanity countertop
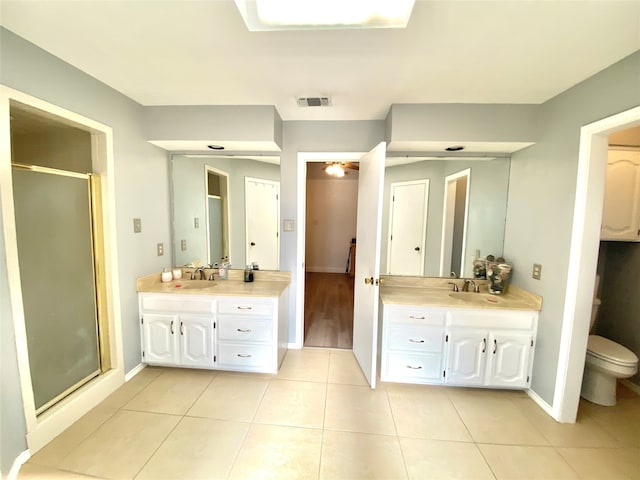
[
  {"x": 437, "y": 293},
  {"x": 266, "y": 284}
]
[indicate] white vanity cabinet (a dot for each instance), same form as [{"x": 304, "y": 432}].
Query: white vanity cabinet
[
  {"x": 621, "y": 211},
  {"x": 412, "y": 344},
  {"x": 248, "y": 335},
  {"x": 216, "y": 332},
  {"x": 490, "y": 348},
  {"x": 177, "y": 331}
]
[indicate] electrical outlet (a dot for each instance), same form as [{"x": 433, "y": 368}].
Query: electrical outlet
[
  {"x": 196, "y": 222},
  {"x": 160, "y": 249},
  {"x": 137, "y": 225},
  {"x": 537, "y": 271},
  {"x": 183, "y": 245}
]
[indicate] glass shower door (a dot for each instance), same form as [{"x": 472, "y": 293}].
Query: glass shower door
[{"x": 55, "y": 253}]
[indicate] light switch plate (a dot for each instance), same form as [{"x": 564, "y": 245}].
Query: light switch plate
[
  {"x": 288, "y": 225},
  {"x": 137, "y": 225},
  {"x": 183, "y": 245},
  {"x": 537, "y": 271},
  {"x": 196, "y": 222},
  {"x": 160, "y": 249}
]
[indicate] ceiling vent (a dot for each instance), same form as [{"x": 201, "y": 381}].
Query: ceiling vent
[{"x": 314, "y": 102}]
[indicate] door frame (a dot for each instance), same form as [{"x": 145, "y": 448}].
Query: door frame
[
  {"x": 246, "y": 218},
  {"x": 446, "y": 214},
  {"x": 41, "y": 430},
  {"x": 421, "y": 181},
  {"x": 299, "y": 281},
  {"x": 226, "y": 209},
  {"x": 583, "y": 258}
]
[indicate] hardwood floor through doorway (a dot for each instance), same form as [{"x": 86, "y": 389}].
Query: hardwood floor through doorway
[{"x": 328, "y": 310}]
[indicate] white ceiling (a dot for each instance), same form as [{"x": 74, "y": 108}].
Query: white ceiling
[{"x": 200, "y": 53}]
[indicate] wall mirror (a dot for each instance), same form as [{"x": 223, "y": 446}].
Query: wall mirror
[
  {"x": 438, "y": 212},
  {"x": 225, "y": 206}
]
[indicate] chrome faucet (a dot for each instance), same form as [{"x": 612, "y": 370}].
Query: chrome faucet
[
  {"x": 203, "y": 275},
  {"x": 468, "y": 283},
  {"x": 455, "y": 286}
]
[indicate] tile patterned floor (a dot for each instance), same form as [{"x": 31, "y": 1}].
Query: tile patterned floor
[{"x": 318, "y": 419}]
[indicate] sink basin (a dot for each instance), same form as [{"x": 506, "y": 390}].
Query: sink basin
[
  {"x": 473, "y": 297},
  {"x": 191, "y": 284}
]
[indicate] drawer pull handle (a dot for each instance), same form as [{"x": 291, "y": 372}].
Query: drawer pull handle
[
  {"x": 495, "y": 346},
  {"x": 484, "y": 345},
  {"x": 416, "y": 318},
  {"x": 243, "y": 330},
  {"x": 419, "y": 367},
  {"x": 416, "y": 341},
  {"x": 244, "y": 356},
  {"x": 243, "y": 308}
]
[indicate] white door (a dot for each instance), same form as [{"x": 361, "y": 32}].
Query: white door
[
  {"x": 407, "y": 227},
  {"x": 368, "y": 232},
  {"x": 159, "y": 341},
  {"x": 466, "y": 357},
  {"x": 262, "y": 210},
  {"x": 196, "y": 341},
  {"x": 509, "y": 359}
]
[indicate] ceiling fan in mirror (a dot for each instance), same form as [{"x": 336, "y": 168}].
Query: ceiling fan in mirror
[{"x": 339, "y": 169}]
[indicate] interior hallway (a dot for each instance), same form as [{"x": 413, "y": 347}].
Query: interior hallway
[
  {"x": 328, "y": 310},
  {"x": 317, "y": 419}
]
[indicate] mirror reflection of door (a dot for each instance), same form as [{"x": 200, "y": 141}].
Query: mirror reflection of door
[
  {"x": 262, "y": 212},
  {"x": 407, "y": 227},
  {"x": 217, "y": 215},
  {"x": 454, "y": 223}
]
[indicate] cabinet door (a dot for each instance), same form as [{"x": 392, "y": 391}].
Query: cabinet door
[
  {"x": 621, "y": 211},
  {"x": 159, "y": 339},
  {"x": 466, "y": 356},
  {"x": 196, "y": 341},
  {"x": 509, "y": 359}
]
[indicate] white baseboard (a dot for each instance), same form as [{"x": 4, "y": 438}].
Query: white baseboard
[
  {"x": 541, "y": 403},
  {"x": 294, "y": 346},
  {"x": 17, "y": 465},
  {"x": 134, "y": 371},
  {"x": 325, "y": 269}
]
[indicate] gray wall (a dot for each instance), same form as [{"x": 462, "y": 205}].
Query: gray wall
[
  {"x": 619, "y": 314},
  {"x": 541, "y": 199},
  {"x": 142, "y": 191}
]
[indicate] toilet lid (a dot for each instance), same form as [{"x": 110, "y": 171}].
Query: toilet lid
[{"x": 610, "y": 351}]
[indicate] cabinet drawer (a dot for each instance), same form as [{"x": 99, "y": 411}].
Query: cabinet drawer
[
  {"x": 422, "y": 367},
  {"x": 416, "y": 338},
  {"x": 409, "y": 315},
  {"x": 170, "y": 303},
  {"x": 255, "y": 357},
  {"x": 245, "y": 306},
  {"x": 244, "y": 329}
]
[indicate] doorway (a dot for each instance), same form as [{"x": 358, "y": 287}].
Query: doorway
[
  {"x": 217, "y": 214},
  {"x": 454, "y": 223},
  {"x": 585, "y": 241},
  {"x": 331, "y": 213}
]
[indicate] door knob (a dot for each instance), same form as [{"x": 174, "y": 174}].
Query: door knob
[
  {"x": 417, "y": 249},
  {"x": 368, "y": 280}
]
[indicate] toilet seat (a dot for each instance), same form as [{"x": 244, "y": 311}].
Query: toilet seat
[{"x": 610, "y": 351}]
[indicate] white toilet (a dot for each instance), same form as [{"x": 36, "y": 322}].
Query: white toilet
[{"x": 606, "y": 362}]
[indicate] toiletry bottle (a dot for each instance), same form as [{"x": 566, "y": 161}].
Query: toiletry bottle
[
  {"x": 166, "y": 275},
  {"x": 248, "y": 274}
]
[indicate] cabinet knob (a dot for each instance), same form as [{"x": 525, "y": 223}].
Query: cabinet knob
[{"x": 417, "y": 249}]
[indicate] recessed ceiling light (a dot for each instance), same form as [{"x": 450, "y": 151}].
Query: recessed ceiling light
[
  {"x": 261, "y": 15},
  {"x": 454, "y": 148},
  {"x": 215, "y": 147}
]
